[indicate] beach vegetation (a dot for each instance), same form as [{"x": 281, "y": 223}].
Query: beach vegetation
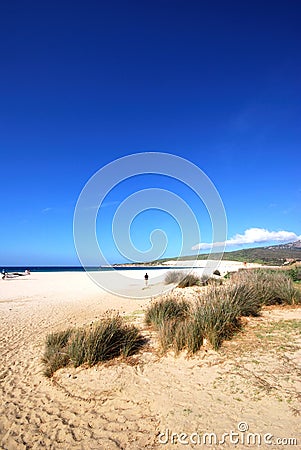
[
  {"x": 173, "y": 277},
  {"x": 166, "y": 309},
  {"x": 294, "y": 273},
  {"x": 192, "y": 279},
  {"x": 106, "y": 339},
  {"x": 215, "y": 314},
  {"x": 269, "y": 287}
]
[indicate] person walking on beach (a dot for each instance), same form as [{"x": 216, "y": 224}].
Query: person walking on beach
[
  {"x": 4, "y": 273},
  {"x": 146, "y": 279}
]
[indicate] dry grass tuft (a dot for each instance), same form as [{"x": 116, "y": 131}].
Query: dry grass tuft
[{"x": 102, "y": 341}]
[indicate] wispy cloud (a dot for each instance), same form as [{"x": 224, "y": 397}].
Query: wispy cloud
[
  {"x": 252, "y": 236},
  {"x": 103, "y": 205},
  {"x": 107, "y": 204},
  {"x": 46, "y": 210}
]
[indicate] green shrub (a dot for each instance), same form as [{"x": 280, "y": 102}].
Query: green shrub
[{"x": 295, "y": 273}]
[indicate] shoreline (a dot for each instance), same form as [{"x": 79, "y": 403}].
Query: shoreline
[{"x": 128, "y": 284}]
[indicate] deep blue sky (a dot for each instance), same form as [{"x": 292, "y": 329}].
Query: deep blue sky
[{"x": 84, "y": 83}]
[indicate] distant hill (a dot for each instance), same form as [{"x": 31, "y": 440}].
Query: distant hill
[
  {"x": 274, "y": 254},
  {"x": 290, "y": 245}
]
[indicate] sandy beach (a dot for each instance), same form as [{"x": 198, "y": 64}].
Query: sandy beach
[{"x": 137, "y": 405}]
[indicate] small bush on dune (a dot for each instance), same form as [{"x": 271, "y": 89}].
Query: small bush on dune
[
  {"x": 173, "y": 277},
  {"x": 193, "y": 332},
  {"x": 132, "y": 341},
  {"x": 217, "y": 317},
  {"x": 59, "y": 338},
  {"x": 185, "y": 279},
  {"x": 164, "y": 310},
  {"x": 192, "y": 280},
  {"x": 295, "y": 273},
  {"x": 166, "y": 334},
  {"x": 218, "y": 310},
  {"x": 56, "y": 353},
  {"x": 215, "y": 281},
  {"x": 270, "y": 287},
  {"x": 54, "y": 358},
  {"x": 171, "y": 318},
  {"x": 180, "y": 335},
  {"x": 104, "y": 340},
  {"x": 244, "y": 298}
]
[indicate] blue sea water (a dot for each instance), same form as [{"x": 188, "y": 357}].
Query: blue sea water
[{"x": 81, "y": 269}]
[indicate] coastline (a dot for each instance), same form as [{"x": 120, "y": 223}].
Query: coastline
[
  {"x": 121, "y": 405},
  {"x": 129, "y": 283}
]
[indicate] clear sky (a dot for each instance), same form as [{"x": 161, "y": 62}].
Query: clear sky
[{"x": 85, "y": 83}]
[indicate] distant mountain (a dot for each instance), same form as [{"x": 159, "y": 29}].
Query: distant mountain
[
  {"x": 290, "y": 245},
  {"x": 274, "y": 254}
]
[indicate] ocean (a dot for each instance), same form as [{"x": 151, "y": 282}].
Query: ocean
[{"x": 81, "y": 269}]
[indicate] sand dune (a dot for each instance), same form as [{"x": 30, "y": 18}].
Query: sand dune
[{"x": 122, "y": 405}]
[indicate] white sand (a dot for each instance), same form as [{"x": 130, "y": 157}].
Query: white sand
[
  {"x": 116, "y": 406},
  {"x": 222, "y": 266}
]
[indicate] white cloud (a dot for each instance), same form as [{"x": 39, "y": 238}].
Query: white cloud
[
  {"x": 252, "y": 236},
  {"x": 102, "y": 205}
]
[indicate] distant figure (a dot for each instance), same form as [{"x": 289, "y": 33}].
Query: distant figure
[
  {"x": 146, "y": 279},
  {"x": 27, "y": 272},
  {"x": 4, "y": 273}
]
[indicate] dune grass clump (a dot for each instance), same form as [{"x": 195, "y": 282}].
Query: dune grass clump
[
  {"x": 180, "y": 335},
  {"x": 102, "y": 341},
  {"x": 173, "y": 320},
  {"x": 295, "y": 274},
  {"x": 269, "y": 287},
  {"x": 214, "y": 317},
  {"x": 192, "y": 334},
  {"x": 216, "y": 313},
  {"x": 217, "y": 316},
  {"x": 192, "y": 279},
  {"x": 167, "y": 317},
  {"x": 56, "y": 354},
  {"x": 184, "y": 280},
  {"x": 173, "y": 277},
  {"x": 243, "y": 297},
  {"x": 165, "y": 310}
]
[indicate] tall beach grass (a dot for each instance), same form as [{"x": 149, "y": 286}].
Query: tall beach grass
[
  {"x": 104, "y": 340},
  {"x": 216, "y": 313}
]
